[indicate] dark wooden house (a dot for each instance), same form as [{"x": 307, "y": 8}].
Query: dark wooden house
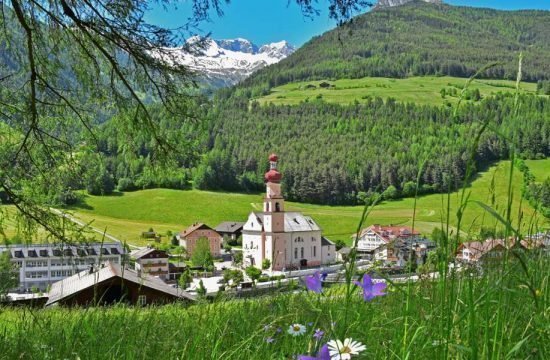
[{"x": 112, "y": 284}]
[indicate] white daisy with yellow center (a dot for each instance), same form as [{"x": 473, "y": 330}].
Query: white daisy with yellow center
[
  {"x": 343, "y": 351},
  {"x": 296, "y": 329}
]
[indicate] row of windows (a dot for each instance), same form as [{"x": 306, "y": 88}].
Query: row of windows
[
  {"x": 65, "y": 262},
  {"x": 314, "y": 251},
  {"x": 300, "y": 239},
  {"x": 36, "y": 274}
]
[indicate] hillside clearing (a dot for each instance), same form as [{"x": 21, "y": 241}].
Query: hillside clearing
[{"x": 424, "y": 90}]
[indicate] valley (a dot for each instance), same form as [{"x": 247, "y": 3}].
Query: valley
[{"x": 126, "y": 215}]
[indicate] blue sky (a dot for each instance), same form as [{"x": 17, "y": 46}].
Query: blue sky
[{"x": 264, "y": 21}]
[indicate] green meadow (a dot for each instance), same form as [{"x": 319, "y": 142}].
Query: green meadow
[
  {"x": 126, "y": 215},
  {"x": 419, "y": 90}
]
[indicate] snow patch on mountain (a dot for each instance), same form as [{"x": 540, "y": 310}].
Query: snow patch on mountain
[{"x": 226, "y": 62}]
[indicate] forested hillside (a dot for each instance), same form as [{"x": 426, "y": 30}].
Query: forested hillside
[
  {"x": 333, "y": 154},
  {"x": 344, "y": 152},
  {"x": 420, "y": 39}
]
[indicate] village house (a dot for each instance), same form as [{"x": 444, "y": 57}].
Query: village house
[
  {"x": 40, "y": 265},
  {"x": 492, "y": 250},
  {"x": 376, "y": 235},
  {"x": 288, "y": 239},
  {"x": 230, "y": 230},
  {"x": 111, "y": 283},
  {"x": 151, "y": 261},
  {"x": 188, "y": 238}
]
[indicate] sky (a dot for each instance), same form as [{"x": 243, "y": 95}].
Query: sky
[{"x": 266, "y": 21}]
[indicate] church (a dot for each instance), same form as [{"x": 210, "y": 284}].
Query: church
[{"x": 289, "y": 240}]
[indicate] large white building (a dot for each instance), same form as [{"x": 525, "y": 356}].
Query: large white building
[
  {"x": 40, "y": 265},
  {"x": 289, "y": 240}
]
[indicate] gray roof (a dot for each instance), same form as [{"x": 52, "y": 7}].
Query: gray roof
[
  {"x": 345, "y": 250},
  {"x": 295, "y": 221},
  {"x": 325, "y": 241},
  {"x": 84, "y": 279},
  {"x": 61, "y": 250},
  {"x": 137, "y": 254},
  {"x": 229, "y": 226}
]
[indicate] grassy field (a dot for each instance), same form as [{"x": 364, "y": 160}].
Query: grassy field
[
  {"x": 127, "y": 215},
  {"x": 539, "y": 169},
  {"x": 419, "y": 90},
  {"x": 499, "y": 315}
]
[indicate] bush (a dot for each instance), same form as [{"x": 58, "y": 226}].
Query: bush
[{"x": 126, "y": 184}]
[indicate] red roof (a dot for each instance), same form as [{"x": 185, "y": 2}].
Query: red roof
[
  {"x": 273, "y": 176},
  {"x": 390, "y": 232}
]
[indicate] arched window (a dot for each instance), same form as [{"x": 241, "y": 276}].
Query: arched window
[
  {"x": 277, "y": 207},
  {"x": 302, "y": 252},
  {"x": 296, "y": 253}
]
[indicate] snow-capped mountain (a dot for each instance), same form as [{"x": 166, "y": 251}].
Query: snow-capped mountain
[
  {"x": 391, "y": 3},
  {"x": 226, "y": 62}
]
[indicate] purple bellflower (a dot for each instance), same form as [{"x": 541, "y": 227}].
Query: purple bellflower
[
  {"x": 313, "y": 282},
  {"x": 323, "y": 354},
  {"x": 318, "y": 334},
  {"x": 371, "y": 290}
]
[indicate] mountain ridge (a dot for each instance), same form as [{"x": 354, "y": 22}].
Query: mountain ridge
[
  {"x": 418, "y": 39},
  {"x": 226, "y": 62}
]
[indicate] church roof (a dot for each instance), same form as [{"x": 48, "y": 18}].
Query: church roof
[{"x": 294, "y": 222}]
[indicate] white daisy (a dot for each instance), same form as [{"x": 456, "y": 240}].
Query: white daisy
[
  {"x": 343, "y": 351},
  {"x": 296, "y": 329}
]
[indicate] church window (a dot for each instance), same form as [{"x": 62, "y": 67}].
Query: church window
[
  {"x": 296, "y": 253},
  {"x": 314, "y": 251},
  {"x": 277, "y": 207},
  {"x": 302, "y": 252}
]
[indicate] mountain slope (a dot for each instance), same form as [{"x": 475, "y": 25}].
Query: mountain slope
[{"x": 421, "y": 39}]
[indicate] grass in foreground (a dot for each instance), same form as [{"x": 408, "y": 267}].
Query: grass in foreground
[
  {"x": 237, "y": 329},
  {"x": 418, "y": 90}
]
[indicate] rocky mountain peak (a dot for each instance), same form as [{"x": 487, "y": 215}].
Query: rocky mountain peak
[{"x": 382, "y": 4}]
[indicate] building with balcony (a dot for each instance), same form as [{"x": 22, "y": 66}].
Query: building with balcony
[
  {"x": 40, "y": 265},
  {"x": 151, "y": 261}
]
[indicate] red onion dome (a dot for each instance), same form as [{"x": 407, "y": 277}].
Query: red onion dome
[
  {"x": 273, "y": 176},
  {"x": 273, "y": 157}
]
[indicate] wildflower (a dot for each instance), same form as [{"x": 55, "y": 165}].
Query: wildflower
[
  {"x": 318, "y": 334},
  {"x": 343, "y": 351},
  {"x": 267, "y": 327},
  {"x": 323, "y": 354},
  {"x": 279, "y": 330},
  {"x": 310, "y": 323},
  {"x": 313, "y": 282},
  {"x": 296, "y": 329},
  {"x": 370, "y": 290},
  {"x": 324, "y": 276},
  {"x": 269, "y": 340}
]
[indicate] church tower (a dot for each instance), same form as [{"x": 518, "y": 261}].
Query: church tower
[{"x": 274, "y": 203}]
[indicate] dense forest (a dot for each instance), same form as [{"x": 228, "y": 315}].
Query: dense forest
[
  {"x": 330, "y": 154},
  {"x": 419, "y": 39}
]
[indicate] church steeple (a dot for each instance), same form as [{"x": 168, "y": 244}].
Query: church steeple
[{"x": 274, "y": 201}]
